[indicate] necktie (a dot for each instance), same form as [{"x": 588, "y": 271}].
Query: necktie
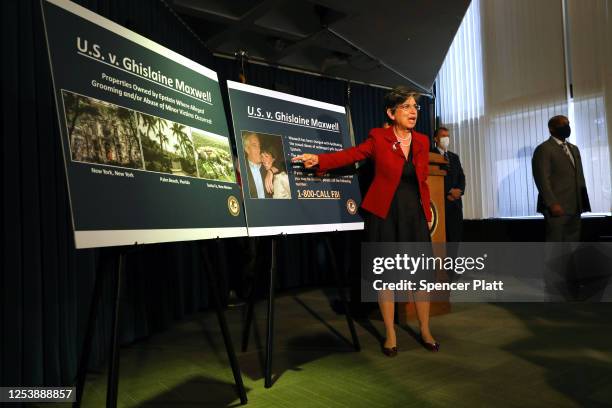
[{"x": 567, "y": 151}]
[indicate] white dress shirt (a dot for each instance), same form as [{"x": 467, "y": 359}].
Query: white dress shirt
[{"x": 255, "y": 171}]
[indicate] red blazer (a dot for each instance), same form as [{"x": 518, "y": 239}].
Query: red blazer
[{"x": 388, "y": 163}]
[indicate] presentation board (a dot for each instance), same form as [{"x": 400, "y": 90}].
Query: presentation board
[
  {"x": 280, "y": 197},
  {"x": 144, "y": 135}
]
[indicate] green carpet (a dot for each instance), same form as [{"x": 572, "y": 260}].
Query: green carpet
[{"x": 492, "y": 355}]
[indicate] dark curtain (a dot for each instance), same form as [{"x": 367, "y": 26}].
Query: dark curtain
[
  {"x": 366, "y": 102},
  {"x": 47, "y": 284},
  {"x": 367, "y": 108}
]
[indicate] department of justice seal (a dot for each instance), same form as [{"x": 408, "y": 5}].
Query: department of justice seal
[
  {"x": 233, "y": 205},
  {"x": 351, "y": 206}
]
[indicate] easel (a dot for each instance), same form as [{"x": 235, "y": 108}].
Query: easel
[
  {"x": 113, "y": 363},
  {"x": 270, "y": 316}
]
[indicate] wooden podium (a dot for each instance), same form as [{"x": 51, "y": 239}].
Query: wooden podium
[{"x": 435, "y": 181}]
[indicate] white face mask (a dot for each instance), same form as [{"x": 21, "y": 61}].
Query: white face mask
[{"x": 444, "y": 142}]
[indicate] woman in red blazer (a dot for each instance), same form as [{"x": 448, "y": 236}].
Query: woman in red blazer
[{"x": 397, "y": 202}]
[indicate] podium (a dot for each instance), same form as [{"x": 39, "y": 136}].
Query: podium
[{"x": 435, "y": 181}]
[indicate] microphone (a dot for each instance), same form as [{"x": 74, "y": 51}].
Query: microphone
[{"x": 395, "y": 145}]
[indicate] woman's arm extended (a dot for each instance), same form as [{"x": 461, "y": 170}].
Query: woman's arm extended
[{"x": 328, "y": 161}]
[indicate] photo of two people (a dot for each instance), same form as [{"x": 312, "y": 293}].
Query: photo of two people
[{"x": 265, "y": 165}]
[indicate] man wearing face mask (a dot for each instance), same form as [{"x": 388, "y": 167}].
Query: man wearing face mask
[
  {"x": 558, "y": 175},
  {"x": 454, "y": 186}
]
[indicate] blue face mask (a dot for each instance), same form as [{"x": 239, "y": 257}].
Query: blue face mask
[{"x": 562, "y": 132}]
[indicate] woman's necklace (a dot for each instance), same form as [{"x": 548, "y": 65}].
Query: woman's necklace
[{"x": 401, "y": 140}]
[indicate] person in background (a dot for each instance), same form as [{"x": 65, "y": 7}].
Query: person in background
[
  {"x": 454, "y": 186},
  {"x": 277, "y": 180},
  {"x": 558, "y": 175},
  {"x": 397, "y": 201},
  {"x": 256, "y": 173}
]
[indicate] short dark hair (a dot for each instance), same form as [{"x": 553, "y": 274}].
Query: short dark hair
[
  {"x": 398, "y": 95},
  {"x": 556, "y": 120},
  {"x": 270, "y": 150},
  {"x": 439, "y": 129}
]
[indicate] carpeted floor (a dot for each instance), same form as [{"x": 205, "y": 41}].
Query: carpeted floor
[{"x": 492, "y": 355}]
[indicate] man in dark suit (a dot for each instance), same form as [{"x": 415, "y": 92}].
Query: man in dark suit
[
  {"x": 256, "y": 172},
  {"x": 454, "y": 186},
  {"x": 558, "y": 174}
]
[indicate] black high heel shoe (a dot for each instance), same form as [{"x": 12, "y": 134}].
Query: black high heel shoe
[
  {"x": 389, "y": 351},
  {"x": 433, "y": 347}
]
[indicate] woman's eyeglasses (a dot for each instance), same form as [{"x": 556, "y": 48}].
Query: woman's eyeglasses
[{"x": 407, "y": 106}]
